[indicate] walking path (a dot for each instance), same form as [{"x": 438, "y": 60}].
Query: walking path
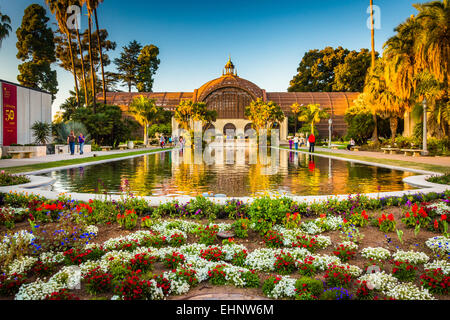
[
  {"x": 439, "y": 161},
  {"x": 5, "y": 163}
]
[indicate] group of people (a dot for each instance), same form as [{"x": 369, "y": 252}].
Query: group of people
[
  {"x": 297, "y": 142},
  {"x": 72, "y": 139},
  {"x": 164, "y": 141}
]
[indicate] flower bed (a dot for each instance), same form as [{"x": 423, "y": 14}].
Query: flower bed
[{"x": 72, "y": 250}]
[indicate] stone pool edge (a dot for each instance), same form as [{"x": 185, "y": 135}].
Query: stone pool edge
[{"x": 419, "y": 181}]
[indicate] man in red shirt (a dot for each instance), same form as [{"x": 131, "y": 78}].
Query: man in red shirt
[{"x": 312, "y": 141}]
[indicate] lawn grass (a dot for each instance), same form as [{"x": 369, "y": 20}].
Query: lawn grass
[
  {"x": 399, "y": 163},
  {"x": 62, "y": 163}
]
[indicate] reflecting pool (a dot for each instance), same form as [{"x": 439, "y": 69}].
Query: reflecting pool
[{"x": 233, "y": 172}]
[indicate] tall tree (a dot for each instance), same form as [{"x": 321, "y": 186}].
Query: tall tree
[
  {"x": 188, "y": 111},
  {"x": 295, "y": 109},
  {"x": 331, "y": 69},
  {"x": 5, "y": 27},
  {"x": 148, "y": 64},
  {"x": 90, "y": 8},
  {"x": 35, "y": 44},
  {"x": 62, "y": 53},
  {"x": 59, "y": 9},
  {"x": 128, "y": 64},
  {"x": 146, "y": 112}
]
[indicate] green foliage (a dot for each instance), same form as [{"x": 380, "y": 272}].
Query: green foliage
[
  {"x": 5, "y": 27},
  {"x": 331, "y": 69},
  {"x": 360, "y": 121},
  {"x": 36, "y": 48},
  {"x": 145, "y": 111},
  {"x": 264, "y": 115},
  {"x": 251, "y": 279},
  {"x": 312, "y": 114},
  {"x": 241, "y": 227},
  {"x": 207, "y": 234},
  {"x": 265, "y": 212},
  {"x": 148, "y": 64},
  {"x": 7, "y": 179},
  {"x": 42, "y": 132},
  {"x": 106, "y": 125},
  {"x": 310, "y": 284}
]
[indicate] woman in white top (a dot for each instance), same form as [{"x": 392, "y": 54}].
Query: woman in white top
[{"x": 296, "y": 142}]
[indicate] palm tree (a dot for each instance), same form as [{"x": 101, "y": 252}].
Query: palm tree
[
  {"x": 59, "y": 9},
  {"x": 90, "y": 8},
  {"x": 145, "y": 111},
  {"x": 5, "y": 27},
  {"x": 296, "y": 108},
  {"x": 312, "y": 114}
]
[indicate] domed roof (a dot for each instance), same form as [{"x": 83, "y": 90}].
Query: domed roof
[{"x": 229, "y": 79}]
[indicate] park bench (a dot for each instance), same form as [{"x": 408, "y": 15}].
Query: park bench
[
  {"x": 122, "y": 147},
  {"x": 106, "y": 148},
  {"x": 18, "y": 154},
  {"x": 412, "y": 152},
  {"x": 390, "y": 150},
  {"x": 355, "y": 148}
]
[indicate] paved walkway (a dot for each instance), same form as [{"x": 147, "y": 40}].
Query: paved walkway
[
  {"x": 4, "y": 163},
  {"x": 439, "y": 161}
]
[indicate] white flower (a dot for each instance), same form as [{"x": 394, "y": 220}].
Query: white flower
[
  {"x": 438, "y": 264},
  {"x": 321, "y": 262},
  {"x": 349, "y": 244},
  {"x": 52, "y": 257},
  {"x": 377, "y": 253},
  {"x": 310, "y": 227},
  {"x": 411, "y": 256},
  {"x": 408, "y": 291},
  {"x": 440, "y": 244},
  {"x": 21, "y": 265},
  {"x": 380, "y": 281},
  {"x": 92, "y": 230},
  {"x": 440, "y": 208},
  {"x": 285, "y": 288}
]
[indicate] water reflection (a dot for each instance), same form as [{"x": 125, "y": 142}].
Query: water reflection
[{"x": 231, "y": 171}]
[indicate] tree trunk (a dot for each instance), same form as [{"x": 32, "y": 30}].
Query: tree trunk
[
  {"x": 296, "y": 123},
  {"x": 372, "y": 31},
  {"x": 375, "y": 130},
  {"x": 91, "y": 61},
  {"x": 86, "y": 93},
  {"x": 101, "y": 56},
  {"x": 145, "y": 135},
  {"x": 393, "y": 121},
  {"x": 69, "y": 38}
]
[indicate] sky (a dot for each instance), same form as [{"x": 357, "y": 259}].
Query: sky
[{"x": 266, "y": 39}]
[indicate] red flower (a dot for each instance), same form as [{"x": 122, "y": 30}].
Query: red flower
[
  {"x": 443, "y": 217},
  {"x": 391, "y": 217}
]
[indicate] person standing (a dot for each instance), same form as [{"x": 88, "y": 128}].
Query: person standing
[
  {"x": 71, "y": 141},
  {"x": 312, "y": 142},
  {"x": 290, "y": 142},
  {"x": 351, "y": 144},
  {"x": 296, "y": 143},
  {"x": 81, "y": 140}
]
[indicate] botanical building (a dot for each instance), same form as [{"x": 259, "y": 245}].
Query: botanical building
[{"x": 230, "y": 94}]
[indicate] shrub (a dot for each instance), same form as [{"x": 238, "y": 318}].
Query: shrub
[
  {"x": 251, "y": 279},
  {"x": 311, "y": 285},
  {"x": 285, "y": 263},
  {"x": 404, "y": 271},
  {"x": 364, "y": 292},
  {"x": 98, "y": 281},
  {"x": 62, "y": 294},
  {"x": 143, "y": 262},
  {"x": 133, "y": 288},
  {"x": 265, "y": 212},
  {"x": 435, "y": 281},
  {"x": 306, "y": 242},
  {"x": 273, "y": 239},
  {"x": 187, "y": 275},
  {"x": 155, "y": 240},
  {"x": 235, "y": 209},
  {"x": 207, "y": 234},
  {"x": 212, "y": 254},
  {"x": 9, "y": 286},
  {"x": 239, "y": 258},
  {"x": 128, "y": 220},
  {"x": 217, "y": 275},
  {"x": 345, "y": 252},
  {"x": 172, "y": 261},
  {"x": 7, "y": 179},
  {"x": 386, "y": 223},
  {"x": 177, "y": 240},
  {"x": 338, "y": 276},
  {"x": 269, "y": 285},
  {"x": 241, "y": 228},
  {"x": 306, "y": 267},
  {"x": 335, "y": 294}
]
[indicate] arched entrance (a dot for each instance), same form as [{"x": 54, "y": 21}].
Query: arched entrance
[{"x": 227, "y": 130}]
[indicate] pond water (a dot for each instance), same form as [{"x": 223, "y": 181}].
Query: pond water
[{"x": 233, "y": 172}]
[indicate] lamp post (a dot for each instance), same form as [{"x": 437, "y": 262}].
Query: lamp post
[
  {"x": 424, "y": 124},
  {"x": 330, "y": 122}
]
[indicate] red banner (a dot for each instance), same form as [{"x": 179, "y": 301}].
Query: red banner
[{"x": 9, "y": 114}]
